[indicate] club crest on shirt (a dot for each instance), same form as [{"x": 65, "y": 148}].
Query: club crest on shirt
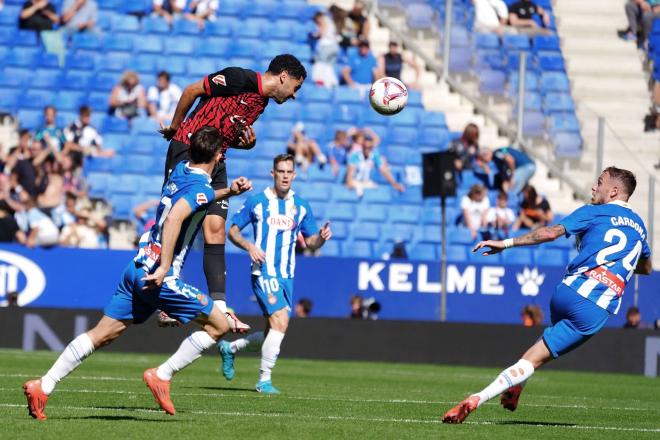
[
  {"x": 219, "y": 80},
  {"x": 281, "y": 222},
  {"x": 271, "y": 298},
  {"x": 294, "y": 210},
  {"x": 203, "y": 299},
  {"x": 201, "y": 199}
]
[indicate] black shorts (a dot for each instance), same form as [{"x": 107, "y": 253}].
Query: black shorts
[{"x": 177, "y": 152}]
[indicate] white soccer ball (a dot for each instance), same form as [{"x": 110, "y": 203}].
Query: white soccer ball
[{"x": 388, "y": 96}]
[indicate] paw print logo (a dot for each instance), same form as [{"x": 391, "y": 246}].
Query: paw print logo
[{"x": 530, "y": 281}]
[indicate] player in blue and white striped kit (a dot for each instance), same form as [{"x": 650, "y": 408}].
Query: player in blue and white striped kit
[
  {"x": 277, "y": 216},
  {"x": 151, "y": 280},
  {"x": 612, "y": 246}
]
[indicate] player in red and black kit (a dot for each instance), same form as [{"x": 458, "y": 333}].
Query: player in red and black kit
[{"x": 230, "y": 100}]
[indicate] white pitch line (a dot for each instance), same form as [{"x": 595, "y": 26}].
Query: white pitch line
[
  {"x": 342, "y": 399},
  {"x": 338, "y": 418}
]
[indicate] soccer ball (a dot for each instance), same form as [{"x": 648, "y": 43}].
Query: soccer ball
[{"x": 388, "y": 96}]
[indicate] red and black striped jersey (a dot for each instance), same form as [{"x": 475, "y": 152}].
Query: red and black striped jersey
[{"x": 234, "y": 99}]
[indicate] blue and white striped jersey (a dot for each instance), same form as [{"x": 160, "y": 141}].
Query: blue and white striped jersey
[
  {"x": 276, "y": 223},
  {"x": 610, "y": 239},
  {"x": 194, "y": 186}
]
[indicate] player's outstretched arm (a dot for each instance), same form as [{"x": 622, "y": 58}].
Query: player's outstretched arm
[
  {"x": 238, "y": 186},
  {"x": 537, "y": 236},
  {"x": 644, "y": 266},
  {"x": 256, "y": 254},
  {"x": 169, "y": 234},
  {"x": 315, "y": 241},
  {"x": 190, "y": 94}
]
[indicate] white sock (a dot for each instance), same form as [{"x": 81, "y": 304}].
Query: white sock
[
  {"x": 251, "y": 342},
  {"x": 269, "y": 352},
  {"x": 221, "y": 304},
  {"x": 514, "y": 375},
  {"x": 189, "y": 351},
  {"x": 72, "y": 356}
]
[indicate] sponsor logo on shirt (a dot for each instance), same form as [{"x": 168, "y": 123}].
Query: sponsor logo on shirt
[
  {"x": 203, "y": 299},
  {"x": 219, "y": 80},
  {"x": 201, "y": 199},
  {"x": 281, "y": 222}
]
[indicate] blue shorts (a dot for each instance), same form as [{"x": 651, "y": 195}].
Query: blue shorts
[
  {"x": 179, "y": 300},
  {"x": 575, "y": 319},
  {"x": 273, "y": 293}
]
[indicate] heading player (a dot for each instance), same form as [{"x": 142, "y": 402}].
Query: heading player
[
  {"x": 151, "y": 280},
  {"x": 231, "y": 100},
  {"x": 277, "y": 216},
  {"x": 612, "y": 245}
]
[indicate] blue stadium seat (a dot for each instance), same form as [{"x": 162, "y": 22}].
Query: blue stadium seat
[
  {"x": 262, "y": 8},
  {"x": 545, "y": 256},
  {"x": 437, "y": 138},
  {"x": 98, "y": 183},
  {"x": 433, "y": 119},
  {"x": 248, "y": 29},
  {"x": 457, "y": 253},
  {"x": 341, "y": 211},
  {"x": 522, "y": 256},
  {"x": 292, "y": 11},
  {"x": 340, "y": 193},
  {"x": 568, "y": 145},
  {"x": 364, "y": 231},
  {"x": 531, "y": 81},
  {"x": 409, "y": 117},
  {"x": 318, "y": 112},
  {"x": 356, "y": 249},
  {"x": 22, "y": 57},
  {"x": 276, "y": 131},
  {"x": 181, "y": 45},
  {"x": 9, "y": 99},
  {"x": 38, "y": 99},
  {"x": 411, "y": 196},
  {"x": 340, "y": 230},
  {"x": 397, "y": 155},
  {"x": 315, "y": 93},
  {"x": 460, "y": 235},
  {"x": 564, "y": 122},
  {"x": 317, "y": 192},
  {"x": 396, "y": 232},
  {"x": 87, "y": 41},
  {"x": 137, "y": 164},
  {"x": 144, "y": 63},
  {"x": 411, "y": 214},
  {"x": 513, "y": 42},
  {"x": 69, "y": 101},
  {"x": 215, "y": 46},
  {"x": 31, "y": 119},
  {"x": 147, "y": 144},
  {"x": 183, "y": 26},
  {"x": 149, "y": 44},
  {"x": 551, "y": 62},
  {"x": 546, "y": 43},
  {"x": 118, "y": 43},
  {"x": 533, "y": 124},
  {"x": 478, "y": 257},
  {"x": 554, "y": 82},
  {"x": 430, "y": 234},
  {"x": 380, "y": 194},
  {"x": 280, "y": 30},
  {"x": 144, "y": 125},
  {"x": 460, "y": 60},
  {"x": 423, "y": 252},
  {"x": 247, "y": 48},
  {"x": 419, "y": 16},
  {"x": 492, "y": 82},
  {"x": 125, "y": 23},
  {"x": 402, "y": 135},
  {"x": 117, "y": 142},
  {"x": 113, "y": 62},
  {"x": 316, "y": 174},
  {"x": 77, "y": 79},
  {"x": 346, "y": 95},
  {"x": 49, "y": 79},
  {"x": 79, "y": 62},
  {"x": 114, "y": 125},
  {"x": 221, "y": 27},
  {"x": 487, "y": 41},
  {"x": 558, "y": 102},
  {"x": 155, "y": 25},
  {"x": 371, "y": 213},
  {"x": 25, "y": 38}
]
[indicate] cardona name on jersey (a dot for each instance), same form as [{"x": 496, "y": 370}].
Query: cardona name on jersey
[{"x": 625, "y": 221}]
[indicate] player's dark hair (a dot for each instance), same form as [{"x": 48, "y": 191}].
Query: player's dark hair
[
  {"x": 50, "y": 107},
  {"x": 624, "y": 176},
  {"x": 164, "y": 74},
  {"x": 284, "y": 157},
  {"x": 287, "y": 63},
  {"x": 85, "y": 110},
  {"x": 306, "y": 305},
  {"x": 205, "y": 144}
]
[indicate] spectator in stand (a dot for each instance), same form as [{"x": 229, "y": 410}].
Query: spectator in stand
[
  {"x": 652, "y": 120},
  {"x": 38, "y": 227},
  {"x": 466, "y": 147},
  {"x": 345, "y": 33},
  {"x": 491, "y": 16},
  {"x": 500, "y": 218},
  {"x": 640, "y": 15},
  {"x": 531, "y": 315},
  {"x": 20, "y": 163},
  {"x": 391, "y": 64},
  {"x": 169, "y": 9},
  {"x": 162, "y": 99},
  {"x": 145, "y": 214},
  {"x": 534, "y": 210},
  {"x": 128, "y": 100},
  {"x": 359, "y": 21},
  {"x": 483, "y": 168},
  {"x": 303, "y": 308},
  {"x": 325, "y": 47},
  {"x": 356, "y": 307},
  {"x": 474, "y": 209},
  {"x": 304, "y": 149},
  {"x": 633, "y": 318},
  {"x": 9, "y": 231},
  {"x": 79, "y": 16},
  {"x": 38, "y": 15},
  {"x": 86, "y": 232},
  {"x": 362, "y": 69},
  {"x": 50, "y": 135},
  {"x": 338, "y": 151},
  {"x": 529, "y": 18},
  {"x": 202, "y": 11},
  {"x": 84, "y": 140},
  {"x": 362, "y": 162},
  {"x": 514, "y": 167}
]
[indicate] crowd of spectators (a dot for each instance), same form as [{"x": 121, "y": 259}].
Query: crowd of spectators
[
  {"x": 43, "y": 197},
  {"x": 525, "y": 17}
]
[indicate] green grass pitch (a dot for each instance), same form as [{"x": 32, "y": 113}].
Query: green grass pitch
[{"x": 105, "y": 398}]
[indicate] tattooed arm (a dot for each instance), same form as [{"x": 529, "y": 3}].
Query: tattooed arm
[{"x": 540, "y": 235}]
